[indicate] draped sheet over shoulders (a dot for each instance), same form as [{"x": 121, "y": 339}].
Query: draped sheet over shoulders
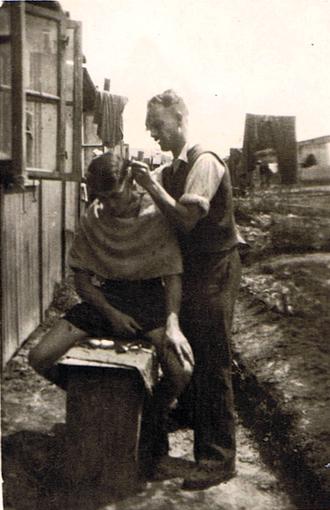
[{"x": 137, "y": 248}]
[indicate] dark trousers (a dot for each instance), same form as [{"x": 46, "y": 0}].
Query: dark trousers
[{"x": 210, "y": 288}]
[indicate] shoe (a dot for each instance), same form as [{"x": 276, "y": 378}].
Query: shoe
[{"x": 207, "y": 474}]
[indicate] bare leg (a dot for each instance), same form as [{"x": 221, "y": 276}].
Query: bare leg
[
  {"x": 177, "y": 374},
  {"x": 175, "y": 379},
  {"x": 53, "y": 345}
]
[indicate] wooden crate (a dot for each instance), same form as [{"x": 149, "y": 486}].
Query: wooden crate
[{"x": 105, "y": 406}]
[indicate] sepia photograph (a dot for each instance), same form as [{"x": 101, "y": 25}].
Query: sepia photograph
[{"x": 165, "y": 254}]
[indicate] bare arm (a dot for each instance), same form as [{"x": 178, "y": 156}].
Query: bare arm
[
  {"x": 182, "y": 216},
  {"x": 173, "y": 294},
  {"x": 122, "y": 323},
  {"x": 173, "y": 336},
  {"x": 89, "y": 292}
]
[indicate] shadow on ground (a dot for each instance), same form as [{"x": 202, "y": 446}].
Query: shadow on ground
[{"x": 36, "y": 477}]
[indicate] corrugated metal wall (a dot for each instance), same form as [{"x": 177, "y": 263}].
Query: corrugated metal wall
[{"x": 37, "y": 229}]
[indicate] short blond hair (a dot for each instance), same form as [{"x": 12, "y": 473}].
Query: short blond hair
[{"x": 169, "y": 99}]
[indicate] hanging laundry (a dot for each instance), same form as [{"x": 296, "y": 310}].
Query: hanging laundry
[
  {"x": 271, "y": 131},
  {"x": 108, "y": 115}
]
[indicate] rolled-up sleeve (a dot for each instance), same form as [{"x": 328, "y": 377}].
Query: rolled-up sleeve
[{"x": 203, "y": 182}]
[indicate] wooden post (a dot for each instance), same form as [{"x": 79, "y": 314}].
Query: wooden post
[
  {"x": 78, "y": 99},
  {"x": 17, "y": 16}
]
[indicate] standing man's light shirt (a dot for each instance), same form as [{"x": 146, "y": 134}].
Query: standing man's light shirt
[{"x": 203, "y": 180}]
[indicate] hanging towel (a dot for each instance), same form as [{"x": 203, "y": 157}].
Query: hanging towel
[{"x": 108, "y": 116}]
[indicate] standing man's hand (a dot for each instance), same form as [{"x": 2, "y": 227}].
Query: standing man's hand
[
  {"x": 141, "y": 173},
  {"x": 174, "y": 339}
]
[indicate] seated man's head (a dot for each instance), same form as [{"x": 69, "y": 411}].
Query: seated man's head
[
  {"x": 167, "y": 117},
  {"x": 109, "y": 179}
]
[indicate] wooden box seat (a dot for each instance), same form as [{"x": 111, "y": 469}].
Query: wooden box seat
[{"x": 107, "y": 389}]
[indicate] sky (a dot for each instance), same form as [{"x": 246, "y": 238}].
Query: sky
[{"x": 225, "y": 57}]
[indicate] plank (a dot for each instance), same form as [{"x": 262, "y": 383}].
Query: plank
[
  {"x": 51, "y": 239},
  {"x": 20, "y": 269}
]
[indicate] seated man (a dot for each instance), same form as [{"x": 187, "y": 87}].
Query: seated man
[{"x": 127, "y": 266}]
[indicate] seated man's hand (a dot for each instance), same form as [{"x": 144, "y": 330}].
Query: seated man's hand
[
  {"x": 174, "y": 339},
  {"x": 123, "y": 324}
]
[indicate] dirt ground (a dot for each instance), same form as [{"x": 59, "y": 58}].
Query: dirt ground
[
  {"x": 33, "y": 429},
  {"x": 281, "y": 353}
]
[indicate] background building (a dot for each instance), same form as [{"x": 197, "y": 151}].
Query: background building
[{"x": 314, "y": 159}]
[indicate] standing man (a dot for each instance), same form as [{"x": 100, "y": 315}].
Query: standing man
[{"x": 195, "y": 194}]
